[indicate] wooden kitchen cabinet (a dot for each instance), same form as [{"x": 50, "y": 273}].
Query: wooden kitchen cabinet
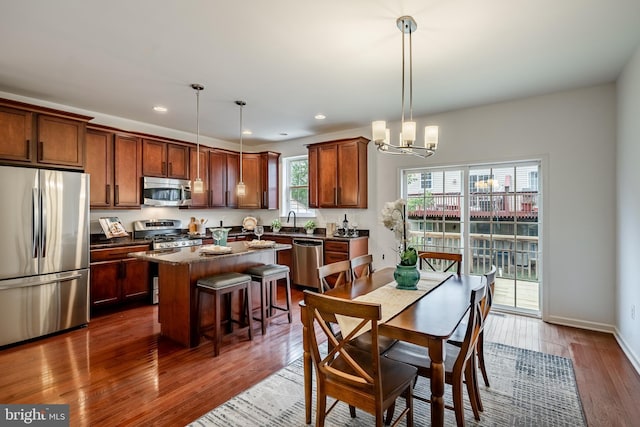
[
  {"x": 223, "y": 177},
  {"x": 284, "y": 256},
  {"x": 344, "y": 250},
  {"x": 260, "y": 175},
  {"x": 164, "y": 159},
  {"x": 114, "y": 163},
  {"x": 252, "y": 178},
  {"x": 200, "y": 200},
  {"x": 116, "y": 278},
  {"x": 40, "y": 136},
  {"x": 338, "y": 174},
  {"x": 270, "y": 165}
]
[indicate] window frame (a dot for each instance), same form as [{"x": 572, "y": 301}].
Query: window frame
[{"x": 286, "y": 205}]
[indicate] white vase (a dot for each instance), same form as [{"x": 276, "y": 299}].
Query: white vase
[
  {"x": 310, "y": 230},
  {"x": 276, "y": 229}
]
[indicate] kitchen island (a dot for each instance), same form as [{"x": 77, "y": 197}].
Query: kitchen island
[{"x": 179, "y": 270}]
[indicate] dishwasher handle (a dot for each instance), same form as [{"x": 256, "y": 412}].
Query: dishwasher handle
[{"x": 307, "y": 242}]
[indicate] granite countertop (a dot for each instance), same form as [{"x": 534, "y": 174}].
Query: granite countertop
[
  {"x": 193, "y": 254},
  {"x": 99, "y": 241}
]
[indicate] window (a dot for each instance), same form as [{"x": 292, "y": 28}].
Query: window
[
  {"x": 425, "y": 181},
  {"x": 296, "y": 186}
]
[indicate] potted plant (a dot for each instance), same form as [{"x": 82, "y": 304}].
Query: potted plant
[
  {"x": 394, "y": 218},
  {"x": 276, "y": 225},
  {"x": 310, "y": 226}
]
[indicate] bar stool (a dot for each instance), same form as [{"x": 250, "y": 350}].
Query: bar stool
[
  {"x": 217, "y": 286},
  {"x": 268, "y": 275}
]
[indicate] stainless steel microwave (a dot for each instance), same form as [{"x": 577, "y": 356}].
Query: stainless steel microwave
[{"x": 166, "y": 191}]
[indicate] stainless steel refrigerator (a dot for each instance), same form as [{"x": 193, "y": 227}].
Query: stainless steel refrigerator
[{"x": 44, "y": 255}]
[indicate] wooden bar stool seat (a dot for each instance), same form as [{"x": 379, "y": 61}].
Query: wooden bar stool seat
[
  {"x": 268, "y": 275},
  {"x": 217, "y": 286}
]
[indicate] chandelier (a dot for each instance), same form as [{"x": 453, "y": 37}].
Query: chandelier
[{"x": 407, "y": 141}]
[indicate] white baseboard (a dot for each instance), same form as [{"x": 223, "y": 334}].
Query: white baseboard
[
  {"x": 633, "y": 358},
  {"x": 592, "y": 326}
]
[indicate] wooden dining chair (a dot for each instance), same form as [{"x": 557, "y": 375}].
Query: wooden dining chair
[
  {"x": 458, "y": 364},
  {"x": 458, "y": 336},
  {"x": 359, "y": 378},
  {"x": 339, "y": 271},
  {"x": 440, "y": 261},
  {"x": 361, "y": 266}
]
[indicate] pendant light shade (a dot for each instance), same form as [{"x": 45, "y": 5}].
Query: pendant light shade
[
  {"x": 241, "y": 189},
  {"x": 198, "y": 186}
]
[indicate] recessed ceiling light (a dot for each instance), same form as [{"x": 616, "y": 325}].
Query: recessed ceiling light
[
  {"x": 284, "y": 134},
  {"x": 247, "y": 132},
  {"x": 320, "y": 117},
  {"x": 160, "y": 109}
]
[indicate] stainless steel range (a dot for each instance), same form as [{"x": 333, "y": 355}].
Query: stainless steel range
[{"x": 165, "y": 233}]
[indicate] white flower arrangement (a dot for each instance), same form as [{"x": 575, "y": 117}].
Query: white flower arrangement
[{"x": 393, "y": 218}]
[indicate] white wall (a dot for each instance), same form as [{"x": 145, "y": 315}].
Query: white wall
[
  {"x": 628, "y": 209},
  {"x": 573, "y": 133}
]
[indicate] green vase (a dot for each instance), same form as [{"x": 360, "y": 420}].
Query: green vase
[{"x": 407, "y": 277}]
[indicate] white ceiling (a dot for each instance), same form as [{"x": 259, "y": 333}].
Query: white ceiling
[{"x": 291, "y": 59}]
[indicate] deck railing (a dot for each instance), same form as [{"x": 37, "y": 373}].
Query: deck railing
[{"x": 514, "y": 256}]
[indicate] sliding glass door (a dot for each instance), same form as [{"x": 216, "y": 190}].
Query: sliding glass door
[{"x": 491, "y": 214}]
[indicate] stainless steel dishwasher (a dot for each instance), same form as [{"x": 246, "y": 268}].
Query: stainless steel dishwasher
[{"x": 307, "y": 257}]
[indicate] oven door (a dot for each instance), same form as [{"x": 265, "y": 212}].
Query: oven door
[{"x": 166, "y": 192}]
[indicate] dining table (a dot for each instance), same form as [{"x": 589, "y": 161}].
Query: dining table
[{"x": 427, "y": 321}]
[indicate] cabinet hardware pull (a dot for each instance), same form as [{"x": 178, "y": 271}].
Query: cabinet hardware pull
[
  {"x": 116, "y": 197},
  {"x": 28, "y": 149},
  {"x": 108, "y": 191},
  {"x": 335, "y": 195}
]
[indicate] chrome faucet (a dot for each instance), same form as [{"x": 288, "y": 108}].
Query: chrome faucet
[{"x": 294, "y": 219}]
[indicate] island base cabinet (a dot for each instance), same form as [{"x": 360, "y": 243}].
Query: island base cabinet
[{"x": 178, "y": 313}]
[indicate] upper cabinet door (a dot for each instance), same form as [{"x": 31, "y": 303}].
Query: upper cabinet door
[
  {"x": 99, "y": 148},
  {"x": 61, "y": 141},
  {"x": 270, "y": 165},
  {"x": 352, "y": 174},
  {"x": 16, "y": 135},
  {"x": 154, "y": 155},
  {"x": 327, "y": 176},
  {"x": 233, "y": 176},
  {"x": 127, "y": 161},
  {"x": 251, "y": 175},
  {"x": 177, "y": 161}
]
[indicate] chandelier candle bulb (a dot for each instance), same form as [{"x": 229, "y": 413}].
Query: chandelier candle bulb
[
  {"x": 431, "y": 137},
  {"x": 408, "y": 133},
  {"x": 379, "y": 130}
]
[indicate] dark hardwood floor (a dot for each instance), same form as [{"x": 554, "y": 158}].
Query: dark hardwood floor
[{"x": 118, "y": 371}]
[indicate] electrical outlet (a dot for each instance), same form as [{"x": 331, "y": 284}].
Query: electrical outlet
[{"x": 633, "y": 312}]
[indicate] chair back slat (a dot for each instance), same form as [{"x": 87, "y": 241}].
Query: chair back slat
[
  {"x": 341, "y": 270},
  {"x": 361, "y": 266},
  {"x": 474, "y": 325},
  {"x": 449, "y": 261}
]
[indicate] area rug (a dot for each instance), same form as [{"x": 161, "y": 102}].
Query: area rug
[{"x": 528, "y": 388}]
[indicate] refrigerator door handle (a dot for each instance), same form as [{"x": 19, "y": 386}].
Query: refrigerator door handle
[
  {"x": 34, "y": 223},
  {"x": 43, "y": 228}
]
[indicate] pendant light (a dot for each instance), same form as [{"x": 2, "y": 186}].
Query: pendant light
[
  {"x": 241, "y": 189},
  {"x": 198, "y": 186},
  {"x": 406, "y": 144}
]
